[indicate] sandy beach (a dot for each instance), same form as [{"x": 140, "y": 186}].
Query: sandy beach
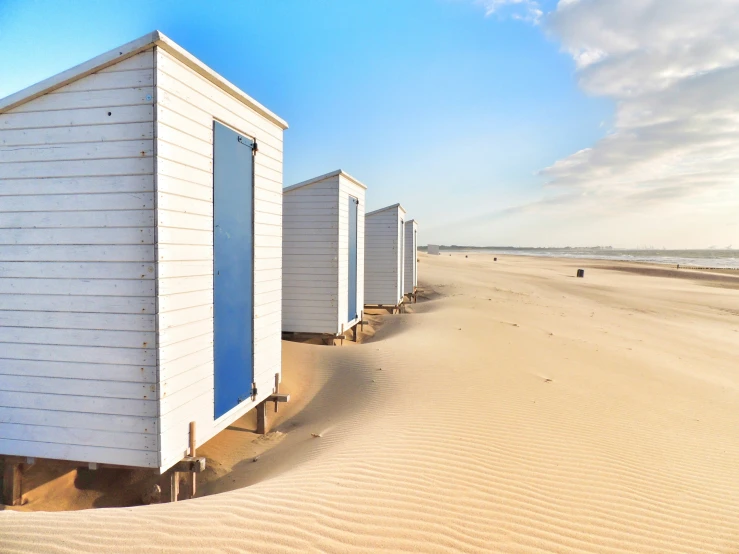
[{"x": 515, "y": 408}]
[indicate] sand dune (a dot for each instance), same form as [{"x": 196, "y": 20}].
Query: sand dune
[{"x": 518, "y": 410}]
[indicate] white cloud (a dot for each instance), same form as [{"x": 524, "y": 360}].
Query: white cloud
[
  {"x": 672, "y": 67},
  {"x": 667, "y": 170},
  {"x": 523, "y": 10}
]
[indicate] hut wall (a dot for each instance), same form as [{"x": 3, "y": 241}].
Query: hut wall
[
  {"x": 77, "y": 270},
  {"x": 311, "y": 261},
  {"x": 411, "y": 267},
  {"x": 187, "y": 105},
  {"x": 382, "y": 267}
]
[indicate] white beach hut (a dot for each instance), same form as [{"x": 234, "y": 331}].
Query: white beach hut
[
  {"x": 384, "y": 259},
  {"x": 410, "y": 272},
  {"x": 433, "y": 249},
  {"x": 323, "y": 255},
  {"x": 140, "y": 259}
]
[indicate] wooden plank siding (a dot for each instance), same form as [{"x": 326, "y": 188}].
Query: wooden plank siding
[
  {"x": 315, "y": 253},
  {"x": 187, "y": 105},
  {"x": 106, "y": 257},
  {"x": 78, "y": 376},
  {"x": 310, "y": 235},
  {"x": 410, "y": 275},
  {"x": 382, "y": 257}
]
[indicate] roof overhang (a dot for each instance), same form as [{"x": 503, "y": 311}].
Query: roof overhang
[
  {"x": 132, "y": 48},
  {"x": 320, "y": 178},
  {"x": 394, "y": 206}
]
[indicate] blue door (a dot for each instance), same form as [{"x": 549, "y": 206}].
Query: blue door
[
  {"x": 352, "y": 303},
  {"x": 233, "y": 267}
]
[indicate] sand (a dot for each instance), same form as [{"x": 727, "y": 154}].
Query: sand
[{"x": 517, "y": 409}]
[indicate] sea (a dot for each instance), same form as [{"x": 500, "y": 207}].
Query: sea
[{"x": 713, "y": 258}]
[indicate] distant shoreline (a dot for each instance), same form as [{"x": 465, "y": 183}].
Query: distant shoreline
[{"x": 686, "y": 259}]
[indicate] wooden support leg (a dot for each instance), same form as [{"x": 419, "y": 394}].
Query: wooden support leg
[
  {"x": 174, "y": 486},
  {"x": 262, "y": 418},
  {"x": 277, "y": 391},
  {"x": 193, "y": 476},
  {"x": 12, "y": 483},
  {"x": 342, "y": 334},
  {"x": 361, "y": 321}
]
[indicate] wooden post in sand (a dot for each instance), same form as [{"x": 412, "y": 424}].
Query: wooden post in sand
[
  {"x": 277, "y": 390},
  {"x": 193, "y": 475},
  {"x": 361, "y": 321},
  {"x": 12, "y": 483},
  {"x": 174, "y": 486},
  {"x": 261, "y": 418},
  {"x": 342, "y": 334}
]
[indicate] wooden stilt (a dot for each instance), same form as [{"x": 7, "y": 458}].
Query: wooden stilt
[
  {"x": 361, "y": 322},
  {"x": 193, "y": 475},
  {"x": 262, "y": 418},
  {"x": 342, "y": 334},
  {"x": 277, "y": 390},
  {"x": 12, "y": 482},
  {"x": 174, "y": 486}
]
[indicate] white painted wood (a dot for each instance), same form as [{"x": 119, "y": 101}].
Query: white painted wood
[
  {"x": 82, "y": 354},
  {"x": 76, "y": 134},
  {"x": 410, "y": 275},
  {"x": 383, "y": 264},
  {"x": 81, "y": 453},
  {"x": 188, "y": 103},
  {"x": 106, "y": 256},
  {"x": 65, "y": 436},
  {"x": 78, "y": 420},
  {"x": 128, "y": 96},
  {"x": 77, "y": 370},
  {"x": 81, "y": 387},
  {"x": 79, "y": 237},
  {"x": 76, "y": 185},
  {"x": 78, "y": 287},
  {"x": 79, "y": 219},
  {"x": 116, "y": 149},
  {"x": 315, "y": 253},
  {"x": 77, "y": 337},
  {"x": 74, "y": 270},
  {"x": 77, "y": 255},
  {"x": 78, "y": 202},
  {"x": 142, "y": 113}
]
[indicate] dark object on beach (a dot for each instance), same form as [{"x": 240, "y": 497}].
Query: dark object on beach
[
  {"x": 581, "y": 273},
  {"x": 495, "y": 259},
  {"x": 466, "y": 256}
]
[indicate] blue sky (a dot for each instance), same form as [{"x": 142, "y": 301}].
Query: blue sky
[{"x": 438, "y": 104}]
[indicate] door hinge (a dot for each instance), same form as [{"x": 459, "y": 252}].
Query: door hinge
[{"x": 253, "y": 391}]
